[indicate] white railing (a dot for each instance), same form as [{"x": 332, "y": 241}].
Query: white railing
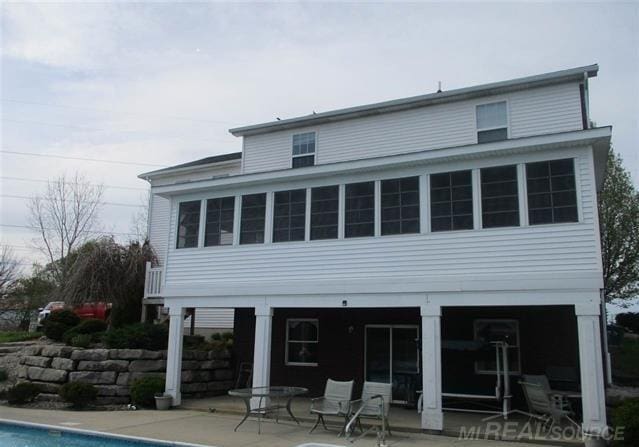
[{"x": 152, "y": 281}]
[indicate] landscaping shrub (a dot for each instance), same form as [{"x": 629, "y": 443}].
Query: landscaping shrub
[
  {"x": 3, "y": 375},
  {"x": 138, "y": 336},
  {"x": 193, "y": 341},
  {"x": 221, "y": 341},
  {"x": 626, "y": 415},
  {"x": 91, "y": 326},
  {"x": 81, "y": 340},
  {"x": 629, "y": 320},
  {"x": 79, "y": 394},
  {"x": 54, "y": 330},
  {"x": 143, "y": 390},
  {"x": 23, "y": 393},
  {"x": 58, "y": 322}
]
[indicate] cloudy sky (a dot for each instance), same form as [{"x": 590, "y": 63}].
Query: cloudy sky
[{"x": 149, "y": 85}]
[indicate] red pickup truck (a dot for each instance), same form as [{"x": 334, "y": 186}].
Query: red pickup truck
[{"x": 99, "y": 310}]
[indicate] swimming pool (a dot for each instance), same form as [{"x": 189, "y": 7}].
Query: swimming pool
[{"x": 21, "y": 434}]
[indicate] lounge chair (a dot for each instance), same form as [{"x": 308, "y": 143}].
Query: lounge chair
[
  {"x": 374, "y": 404},
  {"x": 335, "y": 402},
  {"x": 543, "y": 403}
]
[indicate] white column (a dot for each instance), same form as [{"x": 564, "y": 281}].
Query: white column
[
  {"x": 174, "y": 354},
  {"x": 262, "y": 350},
  {"x": 593, "y": 394},
  {"x": 432, "y": 414}
]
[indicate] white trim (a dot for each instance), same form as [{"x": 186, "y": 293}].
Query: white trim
[
  {"x": 476, "y": 183},
  {"x": 523, "y": 195},
  {"x": 268, "y": 218},
  {"x": 307, "y": 215},
  {"x": 308, "y": 154},
  {"x": 424, "y": 203},
  {"x": 377, "y": 211},
  {"x": 310, "y": 320},
  {"x": 237, "y": 216},
  {"x": 201, "y": 232},
  {"x": 493, "y": 100},
  {"x": 341, "y": 215}
]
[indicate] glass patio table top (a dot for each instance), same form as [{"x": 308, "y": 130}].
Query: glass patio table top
[{"x": 268, "y": 391}]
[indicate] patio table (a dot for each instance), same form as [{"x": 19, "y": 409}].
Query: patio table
[{"x": 269, "y": 400}]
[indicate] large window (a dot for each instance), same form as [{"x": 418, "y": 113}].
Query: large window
[
  {"x": 253, "y": 219},
  {"x": 219, "y": 221},
  {"x": 451, "y": 201},
  {"x": 492, "y": 122},
  {"x": 188, "y": 224},
  {"x": 499, "y": 199},
  {"x": 289, "y": 215},
  {"x": 302, "y": 338},
  {"x": 400, "y": 206},
  {"x": 324, "y": 212},
  {"x": 495, "y": 331},
  {"x": 303, "y": 149},
  {"x": 360, "y": 209},
  {"x": 552, "y": 197}
]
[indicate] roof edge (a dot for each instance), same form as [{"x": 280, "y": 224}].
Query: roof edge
[{"x": 202, "y": 163}]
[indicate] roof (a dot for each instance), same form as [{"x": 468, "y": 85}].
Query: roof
[
  {"x": 572, "y": 74},
  {"x": 197, "y": 163}
]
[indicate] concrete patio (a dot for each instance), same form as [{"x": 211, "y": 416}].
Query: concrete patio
[{"x": 217, "y": 429}]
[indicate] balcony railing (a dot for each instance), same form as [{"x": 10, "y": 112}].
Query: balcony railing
[{"x": 152, "y": 281}]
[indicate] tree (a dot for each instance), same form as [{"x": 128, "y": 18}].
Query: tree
[
  {"x": 107, "y": 271},
  {"x": 26, "y": 295},
  {"x": 8, "y": 269},
  {"x": 65, "y": 216},
  {"x": 140, "y": 219},
  {"x": 619, "y": 226}
]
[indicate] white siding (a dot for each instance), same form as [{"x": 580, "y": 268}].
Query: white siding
[
  {"x": 160, "y": 216},
  {"x": 517, "y": 251},
  {"x": 532, "y": 112},
  {"x": 209, "y": 318}
]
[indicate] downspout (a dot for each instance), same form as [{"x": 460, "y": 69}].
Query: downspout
[{"x": 604, "y": 338}]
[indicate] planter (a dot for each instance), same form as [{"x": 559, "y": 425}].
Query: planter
[{"x": 163, "y": 402}]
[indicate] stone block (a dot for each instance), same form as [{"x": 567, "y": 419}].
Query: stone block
[
  {"x": 113, "y": 390},
  {"x": 219, "y": 386},
  {"x": 57, "y": 351},
  {"x": 126, "y": 379},
  {"x": 194, "y": 387},
  {"x": 49, "y": 397},
  {"x": 223, "y": 374},
  {"x": 214, "y": 364},
  {"x": 94, "y": 377},
  {"x": 190, "y": 364},
  {"x": 220, "y": 354},
  {"x": 47, "y": 387},
  {"x": 62, "y": 363},
  {"x": 106, "y": 365},
  {"x": 22, "y": 372},
  {"x": 46, "y": 374},
  {"x": 42, "y": 362},
  {"x": 32, "y": 350},
  {"x": 147, "y": 365},
  {"x": 96, "y": 355},
  {"x": 134, "y": 354}
]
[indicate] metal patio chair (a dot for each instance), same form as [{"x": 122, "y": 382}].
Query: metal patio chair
[
  {"x": 374, "y": 404},
  {"x": 543, "y": 404},
  {"x": 335, "y": 402}
]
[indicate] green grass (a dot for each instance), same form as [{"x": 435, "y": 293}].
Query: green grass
[
  {"x": 11, "y": 336},
  {"x": 625, "y": 359}
]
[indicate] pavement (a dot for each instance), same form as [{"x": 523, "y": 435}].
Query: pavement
[{"x": 216, "y": 429}]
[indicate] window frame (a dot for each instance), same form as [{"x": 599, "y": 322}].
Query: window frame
[
  {"x": 520, "y": 200},
  {"x": 450, "y": 187},
  {"x": 516, "y": 372},
  {"x": 289, "y": 216},
  {"x": 506, "y": 126},
  {"x": 336, "y": 212},
  {"x": 401, "y": 206},
  {"x": 266, "y": 214},
  {"x": 206, "y": 212},
  {"x": 576, "y": 189},
  {"x": 308, "y": 154},
  {"x": 346, "y": 210},
  {"x": 177, "y": 229},
  {"x": 286, "y": 348}
]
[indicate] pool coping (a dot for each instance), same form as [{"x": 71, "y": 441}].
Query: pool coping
[{"x": 101, "y": 434}]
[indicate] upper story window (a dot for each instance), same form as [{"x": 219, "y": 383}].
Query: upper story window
[
  {"x": 492, "y": 122},
  {"x": 324, "y": 212},
  {"x": 253, "y": 219},
  {"x": 400, "y": 206},
  {"x": 219, "y": 221},
  {"x": 499, "y": 197},
  {"x": 360, "y": 209},
  {"x": 451, "y": 201},
  {"x": 552, "y": 196},
  {"x": 303, "y": 149},
  {"x": 188, "y": 224},
  {"x": 289, "y": 215}
]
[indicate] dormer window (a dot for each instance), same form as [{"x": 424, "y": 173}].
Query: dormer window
[
  {"x": 492, "y": 122},
  {"x": 303, "y": 149}
]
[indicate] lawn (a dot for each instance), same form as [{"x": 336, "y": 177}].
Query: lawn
[{"x": 11, "y": 336}]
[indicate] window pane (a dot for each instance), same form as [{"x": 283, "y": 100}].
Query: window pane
[
  {"x": 252, "y": 221},
  {"x": 304, "y": 143},
  {"x": 552, "y": 197},
  {"x": 499, "y": 198},
  {"x": 219, "y": 221},
  {"x": 400, "y": 206},
  {"x": 302, "y": 352},
  {"x": 360, "y": 209},
  {"x": 451, "y": 201},
  {"x": 488, "y": 136},
  {"x": 324, "y": 212},
  {"x": 289, "y": 213},
  {"x": 491, "y": 115},
  {"x": 188, "y": 224},
  {"x": 506, "y": 331},
  {"x": 300, "y": 162}
]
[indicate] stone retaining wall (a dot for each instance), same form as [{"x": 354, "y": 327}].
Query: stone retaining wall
[{"x": 113, "y": 370}]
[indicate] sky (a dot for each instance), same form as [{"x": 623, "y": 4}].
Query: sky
[{"x": 148, "y": 85}]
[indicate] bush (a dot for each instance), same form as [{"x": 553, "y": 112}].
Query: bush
[
  {"x": 143, "y": 390},
  {"x": 54, "y": 330},
  {"x": 91, "y": 326},
  {"x": 138, "y": 336},
  {"x": 58, "y": 322},
  {"x": 81, "y": 340},
  {"x": 79, "y": 394},
  {"x": 3, "y": 375},
  {"x": 629, "y": 320},
  {"x": 626, "y": 415},
  {"x": 193, "y": 341},
  {"x": 22, "y": 393}
]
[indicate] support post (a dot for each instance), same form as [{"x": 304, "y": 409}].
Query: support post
[
  {"x": 174, "y": 354},
  {"x": 432, "y": 414},
  {"x": 262, "y": 352},
  {"x": 593, "y": 394}
]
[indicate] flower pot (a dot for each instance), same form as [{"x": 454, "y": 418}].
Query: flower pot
[{"x": 163, "y": 402}]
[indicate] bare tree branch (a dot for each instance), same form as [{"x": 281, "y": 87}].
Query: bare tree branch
[{"x": 8, "y": 269}]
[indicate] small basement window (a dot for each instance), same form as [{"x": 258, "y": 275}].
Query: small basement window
[
  {"x": 188, "y": 224},
  {"x": 492, "y": 122},
  {"x": 303, "y": 149},
  {"x": 497, "y": 330},
  {"x": 302, "y": 339}
]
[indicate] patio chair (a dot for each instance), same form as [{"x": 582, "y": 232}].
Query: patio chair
[
  {"x": 335, "y": 402},
  {"x": 374, "y": 404},
  {"x": 543, "y": 404}
]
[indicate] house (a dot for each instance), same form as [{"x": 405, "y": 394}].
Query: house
[{"x": 444, "y": 243}]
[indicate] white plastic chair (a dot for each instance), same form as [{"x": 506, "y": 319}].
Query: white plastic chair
[
  {"x": 335, "y": 402},
  {"x": 374, "y": 404},
  {"x": 542, "y": 402}
]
